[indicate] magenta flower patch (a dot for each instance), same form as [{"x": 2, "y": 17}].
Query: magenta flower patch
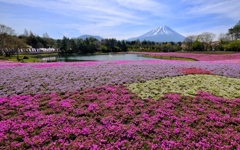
[{"x": 110, "y": 117}]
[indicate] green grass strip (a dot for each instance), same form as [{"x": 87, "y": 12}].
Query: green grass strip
[{"x": 169, "y": 57}]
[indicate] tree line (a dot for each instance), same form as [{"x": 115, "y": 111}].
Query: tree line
[
  {"x": 90, "y": 45},
  {"x": 10, "y": 43},
  {"x": 229, "y": 41}
]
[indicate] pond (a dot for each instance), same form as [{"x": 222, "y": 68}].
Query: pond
[{"x": 94, "y": 57}]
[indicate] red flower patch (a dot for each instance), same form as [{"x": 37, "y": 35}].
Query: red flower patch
[{"x": 194, "y": 70}]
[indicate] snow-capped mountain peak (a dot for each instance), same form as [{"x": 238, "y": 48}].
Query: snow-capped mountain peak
[
  {"x": 160, "y": 34},
  {"x": 159, "y": 30}
]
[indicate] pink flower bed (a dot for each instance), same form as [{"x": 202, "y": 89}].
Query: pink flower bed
[
  {"x": 24, "y": 78},
  {"x": 90, "y": 63},
  {"x": 199, "y": 57},
  {"x": 122, "y": 61},
  {"x": 45, "y": 65},
  {"x": 234, "y": 61},
  {"x": 10, "y": 64},
  {"x": 110, "y": 117}
]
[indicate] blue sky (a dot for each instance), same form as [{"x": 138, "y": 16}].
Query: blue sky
[{"x": 120, "y": 19}]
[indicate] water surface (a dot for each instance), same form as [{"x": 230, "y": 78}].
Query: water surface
[{"x": 95, "y": 57}]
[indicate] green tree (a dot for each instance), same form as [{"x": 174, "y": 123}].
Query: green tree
[
  {"x": 9, "y": 43},
  {"x": 169, "y": 47},
  {"x": 73, "y": 45},
  {"x": 206, "y": 38},
  {"x": 5, "y": 34},
  {"x": 18, "y": 44},
  {"x": 65, "y": 44},
  {"x": 233, "y": 46},
  {"x": 123, "y": 46},
  {"x": 234, "y": 32},
  {"x": 81, "y": 46},
  {"x": 32, "y": 40},
  {"x": 104, "y": 49},
  {"x": 198, "y": 46},
  {"x": 111, "y": 44},
  {"x": 223, "y": 38},
  {"x": 188, "y": 42}
]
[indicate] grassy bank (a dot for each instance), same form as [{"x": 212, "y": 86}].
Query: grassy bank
[
  {"x": 169, "y": 58},
  {"x": 21, "y": 59},
  {"x": 28, "y": 57}
]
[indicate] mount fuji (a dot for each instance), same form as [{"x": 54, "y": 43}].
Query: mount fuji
[{"x": 160, "y": 34}]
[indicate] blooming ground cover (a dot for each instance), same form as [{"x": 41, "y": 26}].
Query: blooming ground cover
[
  {"x": 188, "y": 85},
  {"x": 235, "y": 57},
  {"x": 147, "y": 104}
]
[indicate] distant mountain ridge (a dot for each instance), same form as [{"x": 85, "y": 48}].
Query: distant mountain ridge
[
  {"x": 89, "y": 36},
  {"x": 160, "y": 34}
]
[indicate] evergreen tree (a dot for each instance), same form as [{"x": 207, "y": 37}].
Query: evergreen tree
[
  {"x": 65, "y": 44},
  {"x": 235, "y": 32}
]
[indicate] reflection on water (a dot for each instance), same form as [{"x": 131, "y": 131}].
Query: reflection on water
[
  {"x": 49, "y": 59},
  {"x": 94, "y": 57}
]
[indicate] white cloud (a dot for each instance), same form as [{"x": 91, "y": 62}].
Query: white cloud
[
  {"x": 226, "y": 8},
  {"x": 124, "y": 18},
  {"x": 151, "y": 6},
  {"x": 89, "y": 14},
  {"x": 87, "y": 10}
]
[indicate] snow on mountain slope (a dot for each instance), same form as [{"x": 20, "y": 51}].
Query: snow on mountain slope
[{"x": 160, "y": 34}]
